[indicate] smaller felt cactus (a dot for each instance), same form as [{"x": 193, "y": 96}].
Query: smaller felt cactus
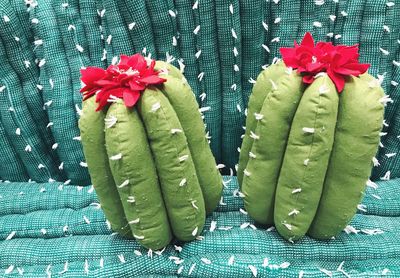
[
  {"x": 147, "y": 152},
  {"x": 312, "y": 130}
]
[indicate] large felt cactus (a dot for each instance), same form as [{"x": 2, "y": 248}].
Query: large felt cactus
[
  {"x": 147, "y": 152},
  {"x": 312, "y": 130}
]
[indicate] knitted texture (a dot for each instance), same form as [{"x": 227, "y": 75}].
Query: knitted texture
[
  {"x": 57, "y": 228},
  {"x": 220, "y": 45}
]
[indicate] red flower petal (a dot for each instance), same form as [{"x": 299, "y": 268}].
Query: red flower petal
[
  {"x": 308, "y": 79},
  {"x": 152, "y": 79},
  {"x": 307, "y": 40},
  {"x": 338, "y": 79},
  {"x": 91, "y": 74},
  {"x": 130, "y": 97}
]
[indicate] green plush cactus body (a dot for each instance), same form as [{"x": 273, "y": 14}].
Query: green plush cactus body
[
  {"x": 266, "y": 81},
  {"x": 307, "y": 154},
  {"x": 306, "y": 159},
  {"x": 348, "y": 166},
  {"x": 91, "y": 124},
  {"x": 179, "y": 94},
  {"x": 174, "y": 163},
  {"x": 158, "y": 176},
  {"x": 137, "y": 185},
  {"x": 266, "y": 154}
]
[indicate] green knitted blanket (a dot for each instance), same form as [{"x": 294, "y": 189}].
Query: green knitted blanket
[{"x": 55, "y": 227}]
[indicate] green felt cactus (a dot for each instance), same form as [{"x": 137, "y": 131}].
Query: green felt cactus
[
  {"x": 310, "y": 139},
  {"x": 147, "y": 152}
]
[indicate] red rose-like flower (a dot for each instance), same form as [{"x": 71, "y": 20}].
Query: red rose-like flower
[
  {"x": 337, "y": 61},
  {"x": 126, "y": 80}
]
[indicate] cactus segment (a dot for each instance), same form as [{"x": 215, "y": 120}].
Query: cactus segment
[
  {"x": 266, "y": 155},
  {"x": 91, "y": 124},
  {"x": 182, "y": 99},
  {"x": 180, "y": 186},
  {"x": 306, "y": 159},
  {"x": 266, "y": 81},
  {"x": 134, "y": 173},
  {"x": 360, "y": 120}
]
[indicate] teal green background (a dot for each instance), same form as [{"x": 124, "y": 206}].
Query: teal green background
[{"x": 50, "y": 32}]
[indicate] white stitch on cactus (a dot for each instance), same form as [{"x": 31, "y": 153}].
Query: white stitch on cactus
[
  {"x": 6, "y": 18},
  {"x": 43, "y": 231},
  {"x": 125, "y": 183},
  {"x": 221, "y": 201},
  {"x": 234, "y": 86},
  {"x": 306, "y": 161},
  {"x": 375, "y": 162},
  {"x": 386, "y": 28},
  {"x": 297, "y": 190},
  {"x": 195, "y": 5},
  {"x": 203, "y": 96},
  {"x": 194, "y": 204},
  {"x": 274, "y": 86},
  {"x": 319, "y": 2},
  {"x": 236, "y": 68},
  {"x": 308, "y": 129},
  {"x": 116, "y": 157},
  {"x": 288, "y": 226},
  {"x": 41, "y": 166},
  {"x": 372, "y": 184},
  {"x": 194, "y": 232},
  {"x": 258, "y": 116},
  {"x": 205, "y": 260},
  {"x": 28, "y": 148},
  {"x": 384, "y": 51},
  {"x": 138, "y": 237},
  {"x": 54, "y": 146},
  {"x": 183, "y": 158},
  {"x": 200, "y": 76},
  {"x": 293, "y": 212},
  {"x": 131, "y": 199},
  {"x": 265, "y": 262},
  {"x": 18, "y": 131},
  {"x": 50, "y": 124},
  {"x": 325, "y": 271},
  {"x": 183, "y": 182},
  {"x": 231, "y": 260},
  {"x": 394, "y": 83},
  {"x": 254, "y": 136},
  {"x": 238, "y": 108},
  {"x": 246, "y": 173},
  {"x": 277, "y": 20},
  {"x": 389, "y": 155},
  {"x": 396, "y": 63},
  {"x": 252, "y": 155},
  {"x": 110, "y": 121},
  {"x": 174, "y": 41},
  {"x": 317, "y": 24},
  {"x": 180, "y": 269},
  {"x": 67, "y": 182},
  {"x": 244, "y": 225},
  {"x": 350, "y": 230}
]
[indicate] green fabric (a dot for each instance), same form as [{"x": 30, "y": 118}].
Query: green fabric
[
  {"x": 26, "y": 208},
  {"x": 53, "y": 34}
]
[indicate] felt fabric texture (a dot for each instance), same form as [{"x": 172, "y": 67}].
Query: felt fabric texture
[{"x": 222, "y": 46}]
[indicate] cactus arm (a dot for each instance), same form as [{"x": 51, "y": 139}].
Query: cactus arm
[
  {"x": 260, "y": 91},
  {"x": 136, "y": 178},
  {"x": 180, "y": 187},
  {"x": 262, "y": 171},
  {"x": 186, "y": 108},
  {"x": 306, "y": 159},
  {"x": 172, "y": 71},
  {"x": 360, "y": 120},
  {"x": 91, "y": 125}
]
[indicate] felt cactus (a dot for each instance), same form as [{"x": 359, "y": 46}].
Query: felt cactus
[
  {"x": 312, "y": 130},
  {"x": 146, "y": 151}
]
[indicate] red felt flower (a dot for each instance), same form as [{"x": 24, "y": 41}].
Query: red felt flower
[
  {"x": 126, "y": 80},
  {"x": 310, "y": 59}
]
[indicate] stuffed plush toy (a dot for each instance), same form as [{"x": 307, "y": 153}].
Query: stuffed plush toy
[
  {"x": 147, "y": 152},
  {"x": 312, "y": 130}
]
